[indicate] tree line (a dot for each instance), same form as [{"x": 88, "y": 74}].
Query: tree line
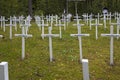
[{"x": 45, "y": 7}]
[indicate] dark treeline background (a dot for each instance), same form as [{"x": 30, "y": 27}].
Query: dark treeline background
[{"x": 39, "y": 7}]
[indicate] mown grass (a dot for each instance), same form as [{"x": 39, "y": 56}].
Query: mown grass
[{"x": 36, "y": 65}]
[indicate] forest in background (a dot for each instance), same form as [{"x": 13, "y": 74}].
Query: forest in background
[{"x": 45, "y": 7}]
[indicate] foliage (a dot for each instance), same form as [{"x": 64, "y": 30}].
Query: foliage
[{"x": 20, "y": 7}]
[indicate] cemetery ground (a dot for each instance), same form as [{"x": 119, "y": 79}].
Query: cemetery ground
[{"x": 66, "y": 65}]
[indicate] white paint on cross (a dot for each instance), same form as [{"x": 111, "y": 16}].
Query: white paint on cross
[
  {"x": 10, "y": 25},
  {"x": 111, "y": 35},
  {"x": 79, "y": 35},
  {"x": 50, "y": 35},
  {"x": 43, "y": 25},
  {"x": 96, "y": 28},
  {"x": 60, "y": 29},
  {"x": 23, "y": 35}
]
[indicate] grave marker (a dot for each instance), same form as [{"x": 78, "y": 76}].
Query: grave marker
[
  {"x": 60, "y": 29},
  {"x": 4, "y": 71},
  {"x": 111, "y": 35},
  {"x": 50, "y": 35},
  {"x": 79, "y": 35},
  {"x": 43, "y": 25},
  {"x": 23, "y": 35},
  {"x": 96, "y": 28}
]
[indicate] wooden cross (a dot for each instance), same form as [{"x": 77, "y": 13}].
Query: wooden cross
[
  {"x": 23, "y": 35},
  {"x": 43, "y": 25},
  {"x": 96, "y": 27},
  {"x": 50, "y": 35},
  {"x": 38, "y": 21},
  {"x": 111, "y": 35},
  {"x": 79, "y": 35},
  {"x": 11, "y": 25},
  {"x": 3, "y": 24},
  {"x": 60, "y": 29},
  {"x": 64, "y": 20}
]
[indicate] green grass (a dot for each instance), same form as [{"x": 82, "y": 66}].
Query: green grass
[{"x": 36, "y": 65}]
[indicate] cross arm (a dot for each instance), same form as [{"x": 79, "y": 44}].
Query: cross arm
[
  {"x": 112, "y": 35},
  {"x": 79, "y": 35},
  {"x": 115, "y": 23},
  {"x": 50, "y": 35},
  {"x": 59, "y": 24},
  {"x": 78, "y": 24},
  {"x": 96, "y": 24},
  {"x": 23, "y": 35}
]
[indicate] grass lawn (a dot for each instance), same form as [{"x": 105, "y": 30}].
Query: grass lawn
[{"x": 36, "y": 65}]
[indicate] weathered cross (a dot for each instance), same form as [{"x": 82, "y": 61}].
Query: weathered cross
[
  {"x": 96, "y": 27},
  {"x": 10, "y": 24},
  {"x": 50, "y": 35},
  {"x": 43, "y": 25},
  {"x": 60, "y": 29},
  {"x": 111, "y": 35},
  {"x": 79, "y": 35},
  {"x": 23, "y": 35}
]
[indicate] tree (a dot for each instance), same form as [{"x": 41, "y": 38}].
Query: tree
[{"x": 30, "y": 7}]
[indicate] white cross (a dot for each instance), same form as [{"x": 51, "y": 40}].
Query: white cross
[
  {"x": 104, "y": 20},
  {"x": 14, "y": 19},
  {"x": 4, "y": 20},
  {"x": 96, "y": 27},
  {"x": 23, "y": 35},
  {"x": 43, "y": 25},
  {"x": 10, "y": 24},
  {"x": 64, "y": 20},
  {"x": 1, "y": 20},
  {"x": 38, "y": 21},
  {"x": 77, "y": 17},
  {"x": 60, "y": 30},
  {"x": 79, "y": 35},
  {"x": 90, "y": 21},
  {"x": 50, "y": 35},
  {"x": 111, "y": 35}
]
